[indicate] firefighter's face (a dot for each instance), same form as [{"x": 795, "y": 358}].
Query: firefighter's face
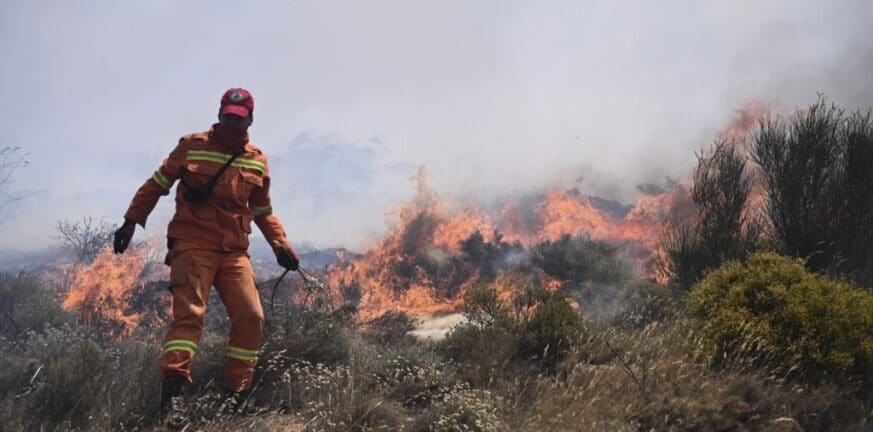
[{"x": 234, "y": 122}]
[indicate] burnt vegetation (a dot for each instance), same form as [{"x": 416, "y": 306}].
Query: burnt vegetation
[{"x": 766, "y": 322}]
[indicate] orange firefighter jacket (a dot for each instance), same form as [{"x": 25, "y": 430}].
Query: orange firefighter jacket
[{"x": 221, "y": 222}]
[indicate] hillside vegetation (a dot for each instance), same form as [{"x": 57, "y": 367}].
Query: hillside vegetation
[{"x": 765, "y": 323}]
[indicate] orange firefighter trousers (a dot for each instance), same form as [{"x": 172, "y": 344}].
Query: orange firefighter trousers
[{"x": 193, "y": 272}]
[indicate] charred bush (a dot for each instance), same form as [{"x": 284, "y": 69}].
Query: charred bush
[
  {"x": 489, "y": 257},
  {"x": 391, "y": 328},
  {"x": 575, "y": 260}
]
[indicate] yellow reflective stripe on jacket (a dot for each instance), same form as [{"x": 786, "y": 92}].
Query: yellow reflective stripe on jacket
[
  {"x": 203, "y": 155},
  {"x": 242, "y": 354},
  {"x": 262, "y": 210},
  {"x": 180, "y": 345},
  {"x": 250, "y": 164},
  {"x": 161, "y": 180},
  {"x": 210, "y": 156}
]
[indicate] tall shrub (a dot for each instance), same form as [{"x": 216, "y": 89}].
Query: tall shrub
[
  {"x": 816, "y": 173},
  {"x": 723, "y": 227}
]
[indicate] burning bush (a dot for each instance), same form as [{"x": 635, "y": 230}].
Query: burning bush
[
  {"x": 391, "y": 328},
  {"x": 812, "y": 182},
  {"x": 436, "y": 252},
  {"x": 577, "y": 260},
  {"x": 112, "y": 294},
  {"x": 771, "y": 310},
  {"x": 491, "y": 257}
]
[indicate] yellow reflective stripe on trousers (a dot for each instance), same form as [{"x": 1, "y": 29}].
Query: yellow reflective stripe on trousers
[
  {"x": 161, "y": 180},
  {"x": 242, "y": 354},
  {"x": 180, "y": 345},
  {"x": 209, "y": 156},
  {"x": 262, "y": 210}
]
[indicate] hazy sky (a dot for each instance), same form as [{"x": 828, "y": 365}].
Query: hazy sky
[{"x": 494, "y": 97}]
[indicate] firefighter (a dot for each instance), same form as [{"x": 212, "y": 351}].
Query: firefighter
[{"x": 224, "y": 186}]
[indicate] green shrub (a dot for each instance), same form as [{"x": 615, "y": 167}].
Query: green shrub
[
  {"x": 484, "y": 351},
  {"x": 317, "y": 335},
  {"x": 26, "y": 305},
  {"x": 57, "y": 378},
  {"x": 772, "y": 309},
  {"x": 551, "y": 331},
  {"x": 644, "y": 303},
  {"x": 543, "y": 329},
  {"x": 487, "y": 343}
]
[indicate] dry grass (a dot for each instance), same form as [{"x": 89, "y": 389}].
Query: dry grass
[{"x": 617, "y": 377}]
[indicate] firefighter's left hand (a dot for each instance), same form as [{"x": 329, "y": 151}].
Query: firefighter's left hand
[{"x": 286, "y": 257}]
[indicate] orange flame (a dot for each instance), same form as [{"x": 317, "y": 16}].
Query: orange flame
[
  {"x": 418, "y": 269},
  {"x": 449, "y": 233},
  {"x": 119, "y": 293},
  {"x": 102, "y": 291},
  {"x": 745, "y": 119}
]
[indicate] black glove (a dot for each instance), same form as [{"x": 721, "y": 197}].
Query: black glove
[
  {"x": 123, "y": 236},
  {"x": 286, "y": 257}
]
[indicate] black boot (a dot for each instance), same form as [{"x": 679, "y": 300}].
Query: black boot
[{"x": 171, "y": 396}]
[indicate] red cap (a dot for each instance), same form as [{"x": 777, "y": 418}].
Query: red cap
[{"x": 237, "y": 101}]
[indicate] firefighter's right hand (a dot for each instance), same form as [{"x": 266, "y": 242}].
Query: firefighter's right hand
[{"x": 123, "y": 236}]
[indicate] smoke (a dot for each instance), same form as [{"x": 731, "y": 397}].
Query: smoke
[
  {"x": 334, "y": 192},
  {"x": 497, "y": 100},
  {"x": 436, "y": 327},
  {"x": 810, "y": 50}
]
